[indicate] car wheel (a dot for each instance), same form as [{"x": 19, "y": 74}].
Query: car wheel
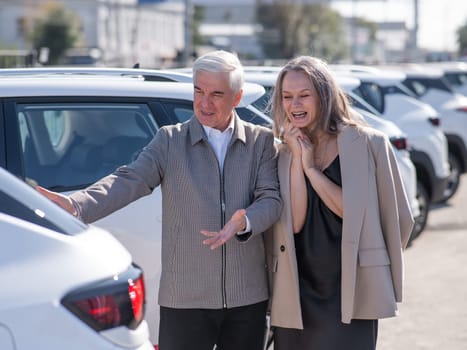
[
  {"x": 454, "y": 177},
  {"x": 422, "y": 218}
]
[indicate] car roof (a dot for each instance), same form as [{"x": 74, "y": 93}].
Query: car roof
[
  {"x": 268, "y": 79},
  {"x": 383, "y": 77},
  {"x": 448, "y": 66},
  {"x": 413, "y": 70},
  {"x": 96, "y": 85},
  {"x": 146, "y": 74}
]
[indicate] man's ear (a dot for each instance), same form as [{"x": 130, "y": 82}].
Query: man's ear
[{"x": 238, "y": 97}]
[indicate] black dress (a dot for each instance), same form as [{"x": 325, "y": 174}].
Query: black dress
[{"x": 318, "y": 248}]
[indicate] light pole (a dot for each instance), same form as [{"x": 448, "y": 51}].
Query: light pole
[{"x": 188, "y": 32}]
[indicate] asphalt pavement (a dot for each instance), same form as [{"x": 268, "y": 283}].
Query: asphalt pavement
[{"x": 433, "y": 315}]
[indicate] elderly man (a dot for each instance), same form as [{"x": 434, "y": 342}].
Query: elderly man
[{"x": 218, "y": 177}]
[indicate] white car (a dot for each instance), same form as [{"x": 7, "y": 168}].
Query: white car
[
  {"x": 431, "y": 87},
  {"x": 65, "y": 131},
  {"x": 383, "y": 89},
  {"x": 66, "y": 285}
]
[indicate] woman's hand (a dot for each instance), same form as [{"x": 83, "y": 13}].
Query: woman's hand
[
  {"x": 291, "y": 136},
  {"x": 307, "y": 153}
]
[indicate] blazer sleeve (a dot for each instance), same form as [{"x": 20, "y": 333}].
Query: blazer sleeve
[{"x": 394, "y": 205}]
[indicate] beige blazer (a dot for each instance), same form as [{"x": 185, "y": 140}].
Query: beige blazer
[{"x": 377, "y": 222}]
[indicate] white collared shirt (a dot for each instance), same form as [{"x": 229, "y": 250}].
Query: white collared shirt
[{"x": 219, "y": 141}]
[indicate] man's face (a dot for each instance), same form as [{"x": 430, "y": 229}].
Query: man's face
[{"x": 214, "y": 99}]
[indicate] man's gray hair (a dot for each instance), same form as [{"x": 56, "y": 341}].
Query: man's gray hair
[{"x": 221, "y": 62}]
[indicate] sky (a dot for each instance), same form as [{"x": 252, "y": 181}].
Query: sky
[{"x": 438, "y": 19}]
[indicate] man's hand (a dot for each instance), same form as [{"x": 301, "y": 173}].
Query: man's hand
[
  {"x": 236, "y": 224},
  {"x": 59, "y": 199}
]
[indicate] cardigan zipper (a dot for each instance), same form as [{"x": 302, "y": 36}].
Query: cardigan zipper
[{"x": 224, "y": 252}]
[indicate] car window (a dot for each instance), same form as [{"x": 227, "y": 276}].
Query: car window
[
  {"x": 420, "y": 86},
  {"x": 371, "y": 93},
  {"x": 252, "y": 117},
  {"x": 398, "y": 89},
  {"x": 263, "y": 103},
  {"x": 178, "y": 110},
  {"x": 456, "y": 78},
  {"x": 183, "y": 110},
  {"x": 67, "y": 146}
]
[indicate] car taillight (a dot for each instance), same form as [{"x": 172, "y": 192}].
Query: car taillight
[
  {"x": 117, "y": 301},
  {"x": 399, "y": 143},
  {"x": 136, "y": 293},
  {"x": 435, "y": 121}
]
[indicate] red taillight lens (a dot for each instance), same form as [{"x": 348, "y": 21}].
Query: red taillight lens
[
  {"x": 136, "y": 293},
  {"x": 118, "y": 301},
  {"x": 103, "y": 309},
  {"x": 435, "y": 121},
  {"x": 399, "y": 143}
]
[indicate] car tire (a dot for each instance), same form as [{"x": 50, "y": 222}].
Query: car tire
[
  {"x": 454, "y": 177},
  {"x": 424, "y": 204}
]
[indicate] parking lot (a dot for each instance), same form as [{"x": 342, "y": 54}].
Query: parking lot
[{"x": 434, "y": 313}]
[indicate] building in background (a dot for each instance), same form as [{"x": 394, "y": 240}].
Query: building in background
[{"x": 116, "y": 32}]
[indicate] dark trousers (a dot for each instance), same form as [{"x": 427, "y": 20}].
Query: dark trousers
[{"x": 200, "y": 329}]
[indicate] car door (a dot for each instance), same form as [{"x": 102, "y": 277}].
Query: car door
[{"x": 66, "y": 144}]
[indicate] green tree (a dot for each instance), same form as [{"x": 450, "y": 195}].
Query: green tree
[
  {"x": 324, "y": 33},
  {"x": 58, "y": 30},
  {"x": 198, "y": 16},
  {"x": 291, "y": 28},
  {"x": 462, "y": 39}
]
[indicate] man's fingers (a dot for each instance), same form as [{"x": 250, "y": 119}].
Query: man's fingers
[
  {"x": 214, "y": 242},
  {"x": 208, "y": 233}
]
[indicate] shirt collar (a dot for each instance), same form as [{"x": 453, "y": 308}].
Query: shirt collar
[{"x": 212, "y": 131}]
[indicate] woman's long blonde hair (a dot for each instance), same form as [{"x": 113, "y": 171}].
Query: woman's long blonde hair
[{"x": 334, "y": 106}]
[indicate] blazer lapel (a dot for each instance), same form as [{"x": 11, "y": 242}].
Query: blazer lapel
[{"x": 353, "y": 155}]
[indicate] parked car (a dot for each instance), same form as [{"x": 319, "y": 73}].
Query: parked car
[
  {"x": 454, "y": 72},
  {"x": 65, "y": 131},
  {"x": 419, "y": 201},
  {"x": 429, "y": 150},
  {"x": 66, "y": 285},
  {"x": 247, "y": 111},
  {"x": 430, "y": 86}
]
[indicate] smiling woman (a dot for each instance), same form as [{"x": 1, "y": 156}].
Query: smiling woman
[{"x": 337, "y": 247}]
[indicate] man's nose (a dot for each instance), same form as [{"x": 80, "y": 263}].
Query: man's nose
[{"x": 205, "y": 100}]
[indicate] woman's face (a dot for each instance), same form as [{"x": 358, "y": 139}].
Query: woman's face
[{"x": 299, "y": 99}]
